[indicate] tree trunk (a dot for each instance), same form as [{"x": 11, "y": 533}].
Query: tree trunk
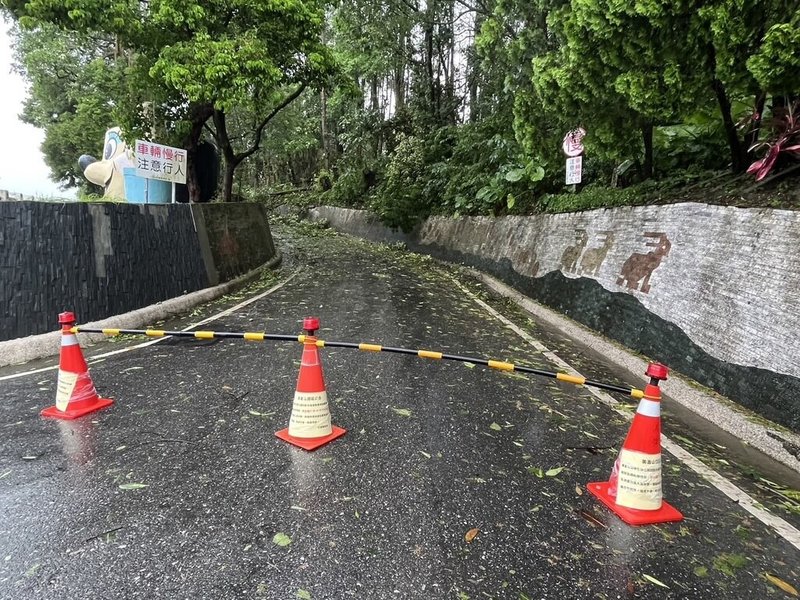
[
  {"x": 452, "y": 105},
  {"x": 738, "y": 162},
  {"x": 399, "y": 88},
  {"x": 323, "y": 99},
  {"x": 647, "y": 139},
  {"x": 233, "y": 159},
  {"x": 224, "y": 143},
  {"x": 429, "y": 24},
  {"x": 474, "y": 71},
  {"x": 199, "y": 115},
  {"x": 374, "y": 102},
  {"x": 738, "y": 158},
  {"x": 227, "y": 181},
  {"x": 399, "y": 74}
]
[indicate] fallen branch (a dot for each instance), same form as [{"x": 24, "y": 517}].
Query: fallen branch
[
  {"x": 783, "y": 173},
  {"x": 285, "y": 192}
]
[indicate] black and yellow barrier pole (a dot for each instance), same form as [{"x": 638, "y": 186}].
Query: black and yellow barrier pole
[
  {"x": 492, "y": 364},
  {"x": 261, "y": 336},
  {"x": 257, "y": 336}
]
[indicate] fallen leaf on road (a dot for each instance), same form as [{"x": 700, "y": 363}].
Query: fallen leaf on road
[
  {"x": 554, "y": 472},
  {"x": 470, "y": 535},
  {"x": 132, "y": 486},
  {"x": 654, "y": 580},
  {"x": 776, "y": 581},
  {"x": 495, "y": 426},
  {"x": 578, "y": 490},
  {"x": 403, "y": 412},
  {"x": 469, "y": 365},
  {"x": 303, "y": 594},
  {"x": 729, "y": 563},
  {"x": 281, "y": 539},
  {"x": 536, "y": 471},
  {"x": 701, "y": 571}
]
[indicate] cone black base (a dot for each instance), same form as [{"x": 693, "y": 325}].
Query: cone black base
[
  {"x": 310, "y": 443},
  {"x": 666, "y": 514}
]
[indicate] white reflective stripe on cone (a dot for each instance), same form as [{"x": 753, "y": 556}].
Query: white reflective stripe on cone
[
  {"x": 314, "y": 358},
  {"x": 648, "y": 408},
  {"x": 69, "y": 340}
]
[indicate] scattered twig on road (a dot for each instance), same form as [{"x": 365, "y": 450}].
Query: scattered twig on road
[
  {"x": 591, "y": 519},
  {"x": 236, "y": 399},
  {"x": 165, "y": 441},
  {"x": 99, "y": 535},
  {"x": 590, "y": 449}
]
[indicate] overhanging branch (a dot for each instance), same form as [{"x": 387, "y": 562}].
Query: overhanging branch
[{"x": 260, "y": 130}]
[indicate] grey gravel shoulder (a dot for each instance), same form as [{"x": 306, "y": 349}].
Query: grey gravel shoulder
[{"x": 34, "y": 347}]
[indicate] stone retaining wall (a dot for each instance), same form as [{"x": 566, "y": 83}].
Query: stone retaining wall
[
  {"x": 712, "y": 291},
  {"x": 102, "y": 259}
]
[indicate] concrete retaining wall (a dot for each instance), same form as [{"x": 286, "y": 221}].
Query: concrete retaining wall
[
  {"x": 712, "y": 291},
  {"x": 103, "y": 259}
]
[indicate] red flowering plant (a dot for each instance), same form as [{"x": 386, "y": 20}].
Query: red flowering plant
[{"x": 784, "y": 141}]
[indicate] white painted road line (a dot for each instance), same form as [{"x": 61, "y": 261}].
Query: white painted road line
[
  {"x": 215, "y": 317},
  {"x": 783, "y": 528}
]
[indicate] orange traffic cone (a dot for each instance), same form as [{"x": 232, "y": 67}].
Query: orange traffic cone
[
  {"x": 310, "y": 423},
  {"x": 75, "y": 394},
  {"x": 633, "y": 491}
]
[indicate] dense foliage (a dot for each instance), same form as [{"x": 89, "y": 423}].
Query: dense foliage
[
  {"x": 184, "y": 68},
  {"x": 419, "y": 107}
]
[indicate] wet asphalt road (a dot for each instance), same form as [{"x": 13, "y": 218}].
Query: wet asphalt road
[{"x": 433, "y": 450}]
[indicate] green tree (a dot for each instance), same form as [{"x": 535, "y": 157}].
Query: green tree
[
  {"x": 243, "y": 57},
  {"x": 196, "y": 60},
  {"x": 776, "y": 65},
  {"x": 620, "y": 67},
  {"x": 72, "y": 81}
]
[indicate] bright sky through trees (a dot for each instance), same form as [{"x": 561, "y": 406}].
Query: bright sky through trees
[{"x": 22, "y": 167}]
